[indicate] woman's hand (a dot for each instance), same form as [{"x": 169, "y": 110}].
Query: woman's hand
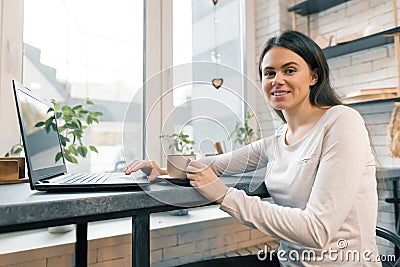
[
  {"x": 140, "y": 164},
  {"x": 206, "y": 182}
]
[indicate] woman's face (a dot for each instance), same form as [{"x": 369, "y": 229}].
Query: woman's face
[{"x": 286, "y": 79}]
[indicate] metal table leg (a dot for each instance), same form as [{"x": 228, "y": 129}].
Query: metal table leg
[
  {"x": 81, "y": 246},
  {"x": 141, "y": 240}
]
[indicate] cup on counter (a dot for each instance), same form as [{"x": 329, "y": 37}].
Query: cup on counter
[{"x": 177, "y": 164}]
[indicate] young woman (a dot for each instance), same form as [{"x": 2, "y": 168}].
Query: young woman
[{"x": 320, "y": 166}]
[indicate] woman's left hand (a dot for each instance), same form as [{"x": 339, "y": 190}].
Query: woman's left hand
[{"x": 206, "y": 182}]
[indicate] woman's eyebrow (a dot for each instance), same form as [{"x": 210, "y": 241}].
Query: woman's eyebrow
[
  {"x": 290, "y": 63},
  {"x": 283, "y": 66}
]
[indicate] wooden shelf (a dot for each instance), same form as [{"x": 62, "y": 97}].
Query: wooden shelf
[
  {"x": 372, "y": 91},
  {"x": 397, "y": 99},
  {"x": 367, "y": 98},
  {"x": 374, "y": 40},
  {"x": 368, "y": 95},
  {"x": 314, "y": 6}
]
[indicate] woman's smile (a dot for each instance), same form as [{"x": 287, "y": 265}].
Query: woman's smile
[{"x": 279, "y": 93}]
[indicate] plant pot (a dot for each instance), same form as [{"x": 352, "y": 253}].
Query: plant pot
[
  {"x": 12, "y": 169},
  {"x": 177, "y": 164}
]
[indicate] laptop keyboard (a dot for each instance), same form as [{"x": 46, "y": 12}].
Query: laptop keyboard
[
  {"x": 85, "y": 178},
  {"x": 96, "y": 178}
]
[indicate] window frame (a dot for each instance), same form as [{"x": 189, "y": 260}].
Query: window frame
[{"x": 158, "y": 48}]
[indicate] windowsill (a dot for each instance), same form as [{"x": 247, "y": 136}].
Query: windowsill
[{"x": 34, "y": 239}]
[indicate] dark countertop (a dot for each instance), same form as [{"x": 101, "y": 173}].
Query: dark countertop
[
  {"x": 30, "y": 209},
  {"x": 21, "y": 206}
]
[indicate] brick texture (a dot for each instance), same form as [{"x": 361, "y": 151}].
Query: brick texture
[{"x": 170, "y": 246}]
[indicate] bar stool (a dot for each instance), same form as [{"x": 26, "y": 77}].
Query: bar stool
[{"x": 396, "y": 201}]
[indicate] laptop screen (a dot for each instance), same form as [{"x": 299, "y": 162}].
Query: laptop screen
[{"x": 41, "y": 143}]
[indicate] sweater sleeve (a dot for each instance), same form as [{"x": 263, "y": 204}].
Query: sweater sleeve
[
  {"x": 247, "y": 158},
  {"x": 345, "y": 158}
]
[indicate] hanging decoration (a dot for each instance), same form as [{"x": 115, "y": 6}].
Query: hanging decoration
[
  {"x": 216, "y": 55},
  {"x": 217, "y": 82}
]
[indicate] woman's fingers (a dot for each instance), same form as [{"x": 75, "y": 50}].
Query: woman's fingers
[
  {"x": 153, "y": 175},
  {"x": 192, "y": 170},
  {"x": 154, "y": 165},
  {"x": 195, "y": 166},
  {"x": 137, "y": 165},
  {"x": 149, "y": 167}
]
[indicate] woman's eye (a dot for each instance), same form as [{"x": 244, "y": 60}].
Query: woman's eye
[
  {"x": 269, "y": 73},
  {"x": 290, "y": 70}
]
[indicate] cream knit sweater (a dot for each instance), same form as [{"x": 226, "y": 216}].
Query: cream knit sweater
[{"x": 323, "y": 187}]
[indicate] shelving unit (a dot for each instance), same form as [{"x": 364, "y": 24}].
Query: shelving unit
[
  {"x": 376, "y": 101},
  {"x": 374, "y": 40},
  {"x": 308, "y": 7},
  {"x": 314, "y": 6}
]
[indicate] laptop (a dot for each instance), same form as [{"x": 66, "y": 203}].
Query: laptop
[{"x": 41, "y": 148}]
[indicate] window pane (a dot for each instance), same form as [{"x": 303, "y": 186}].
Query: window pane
[
  {"x": 213, "y": 35},
  {"x": 93, "y": 49}
]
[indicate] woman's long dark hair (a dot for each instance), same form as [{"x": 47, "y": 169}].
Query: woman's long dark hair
[{"x": 322, "y": 93}]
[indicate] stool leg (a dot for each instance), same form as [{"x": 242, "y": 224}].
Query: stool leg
[{"x": 396, "y": 215}]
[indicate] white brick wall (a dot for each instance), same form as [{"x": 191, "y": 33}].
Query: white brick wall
[
  {"x": 203, "y": 240},
  {"x": 372, "y": 68},
  {"x": 170, "y": 246}
]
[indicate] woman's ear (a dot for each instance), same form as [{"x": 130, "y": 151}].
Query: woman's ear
[{"x": 314, "y": 77}]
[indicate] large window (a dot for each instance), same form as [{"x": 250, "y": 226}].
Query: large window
[
  {"x": 75, "y": 50},
  {"x": 93, "y": 49},
  {"x": 210, "y": 38}
]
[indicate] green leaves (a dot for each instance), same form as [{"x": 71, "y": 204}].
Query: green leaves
[
  {"x": 15, "y": 150},
  {"x": 180, "y": 142},
  {"x": 243, "y": 133},
  {"x": 72, "y": 123}
]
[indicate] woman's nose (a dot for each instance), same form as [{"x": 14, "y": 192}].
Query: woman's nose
[{"x": 277, "y": 80}]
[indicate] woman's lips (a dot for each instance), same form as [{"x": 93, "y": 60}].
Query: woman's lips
[{"x": 280, "y": 93}]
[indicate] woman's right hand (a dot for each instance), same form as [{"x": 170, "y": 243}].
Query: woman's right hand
[{"x": 140, "y": 164}]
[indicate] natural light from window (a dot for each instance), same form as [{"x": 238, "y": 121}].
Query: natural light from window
[{"x": 75, "y": 50}]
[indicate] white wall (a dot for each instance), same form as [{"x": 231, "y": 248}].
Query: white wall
[
  {"x": 372, "y": 68},
  {"x": 10, "y": 68}
]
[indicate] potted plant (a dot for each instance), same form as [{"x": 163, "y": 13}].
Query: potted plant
[
  {"x": 13, "y": 166},
  {"x": 180, "y": 143},
  {"x": 243, "y": 134}
]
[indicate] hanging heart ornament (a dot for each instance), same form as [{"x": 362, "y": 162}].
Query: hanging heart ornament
[
  {"x": 217, "y": 83},
  {"x": 215, "y": 2}
]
